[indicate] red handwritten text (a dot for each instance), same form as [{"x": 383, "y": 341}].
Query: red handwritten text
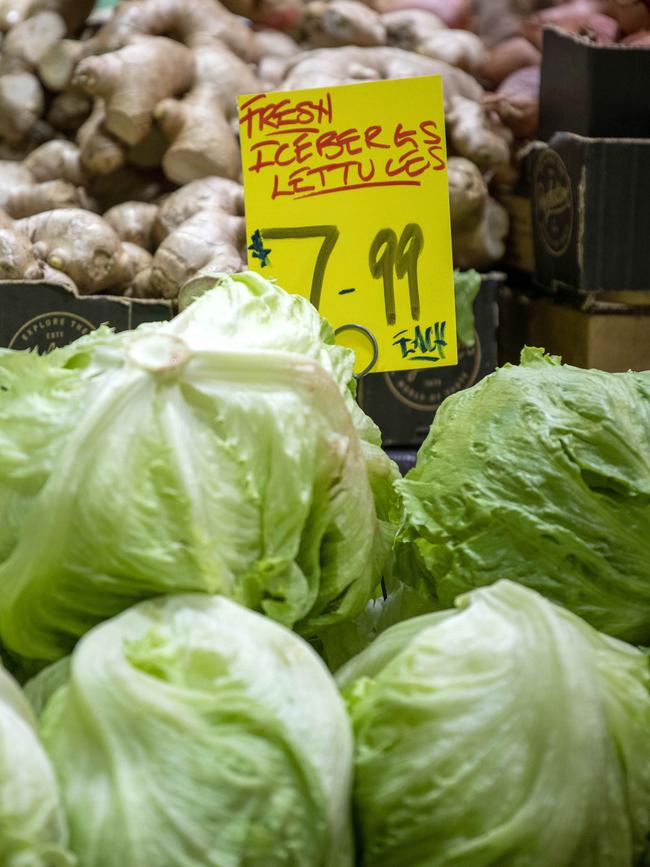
[{"x": 300, "y": 135}]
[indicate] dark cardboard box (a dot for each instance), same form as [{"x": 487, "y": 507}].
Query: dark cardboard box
[
  {"x": 598, "y": 91},
  {"x": 42, "y": 316},
  {"x": 404, "y": 403},
  {"x": 517, "y": 198},
  {"x": 591, "y": 214},
  {"x": 603, "y": 334}
]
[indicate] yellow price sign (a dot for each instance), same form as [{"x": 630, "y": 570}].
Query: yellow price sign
[{"x": 347, "y": 203}]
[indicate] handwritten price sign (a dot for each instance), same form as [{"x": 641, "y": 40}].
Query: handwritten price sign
[{"x": 347, "y": 204}]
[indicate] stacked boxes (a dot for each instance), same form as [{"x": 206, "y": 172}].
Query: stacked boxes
[{"x": 590, "y": 193}]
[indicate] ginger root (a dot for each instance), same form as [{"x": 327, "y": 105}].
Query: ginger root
[
  {"x": 24, "y": 46},
  {"x": 17, "y": 259},
  {"x": 202, "y": 140},
  {"x": 22, "y": 103},
  {"x": 484, "y": 244},
  {"x": 133, "y": 80},
  {"x": 99, "y": 152},
  {"x": 69, "y": 110},
  {"x": 127, "y": 183},
  {"x": 134, "y": 223},
  {"x": 56, "y": 160},
  {"x": 13, "y": 176},
  {"x": 406, "y": 28},
  {"x": 477, "y": 135},
  {"x": 278, "y": 49},
  {"x": 46, "y": 196},
  {"x": 328, "y": 23},
  {"x": 195, "y": 23},
  {"x": 210, "y": 239},
  {"x": 15, "y": 12},
  {"x": 51, "y": 275},
  {"x": 207, "y": 194},
  {"x": 76, "y": 242},
  {"x": 198, "y": 127},
  {"x": 455, "y": 14},
  {"x": 331, "y": 66},
  {"x": 458, "y": 48},
  {"x": 468, "y": 193},
  {"x": 132, "y": 261}
]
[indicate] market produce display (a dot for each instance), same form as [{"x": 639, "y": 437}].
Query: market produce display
[
  {"x": 132, "y": 104},
  {"x": 540, "y": 474},
  {"x": 180, "y": 458},
  {"x": 231, "y": 634},
  {"x": 220, "y": 463},
  {"x": 215, "y": 737},
  {"x": 128, "y": 107},
  {"x": 508, "y": 732}
]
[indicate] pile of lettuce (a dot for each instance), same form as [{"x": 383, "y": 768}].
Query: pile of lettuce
[
  {"x": 222, "y": 452},
  {"x": 539, "y": 474},
  {"x": 508, "y": 732}
]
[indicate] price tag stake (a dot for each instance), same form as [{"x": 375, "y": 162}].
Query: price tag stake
[{"x": 347, "y": 204}]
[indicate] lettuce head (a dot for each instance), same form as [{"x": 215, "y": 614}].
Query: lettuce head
[
  {"x": 539, "y": 474},
  {"x": 221, "y": 452},
  {"x": 192, "y": 731},
  {"x": 507, "y": 732},
  {"x": 33, "y": 830}
]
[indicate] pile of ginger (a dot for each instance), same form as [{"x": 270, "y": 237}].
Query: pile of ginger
[{"x": 120, "y": 169}]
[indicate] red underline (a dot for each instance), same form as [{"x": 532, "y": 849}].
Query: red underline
[
  {"x": 361, "y": 187},
  {"x": 295, "y": 131}
]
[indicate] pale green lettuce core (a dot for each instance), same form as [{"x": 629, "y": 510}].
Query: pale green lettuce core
[
  {"x": 193, "y": 732},
  {"x": 509, "y": 732},
  {"x": 33, "y": 831},
  {"x": 539, "y": 474},
  {"x": 221, "y": 452}
]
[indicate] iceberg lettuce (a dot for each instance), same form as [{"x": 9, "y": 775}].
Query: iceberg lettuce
[
  {"x": 222, "y": 452},
  {"x": 507, "y": 732},
  {"x": 191, "y": 731},
  {"x": 33, "y": 830},
  {"x": 539, "y": 474}
]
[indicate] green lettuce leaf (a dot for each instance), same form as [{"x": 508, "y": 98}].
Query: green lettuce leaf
[
  {"x": 191, "y": 731},
  {"x": 508, "y": 732},
  {"x": 539, "y": 474},
  {"x": 467, "y": 285},
  {"x": 33, "y": 831},
  {"x": 221, "y": 452}
]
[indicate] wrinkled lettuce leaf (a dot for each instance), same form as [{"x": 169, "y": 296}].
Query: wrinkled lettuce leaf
[
  {"x": 33, "y": 830},
  {"x": 508, "y": 732},
  {"x": 221, "y": 452},
  {"x": 467, "y": 285},
  {"x": 191, "y": 731},
  {"x": 539, "y": 474}
]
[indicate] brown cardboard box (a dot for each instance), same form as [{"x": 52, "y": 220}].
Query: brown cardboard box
[
  {"x": 595, "y": 333},
  {"x": 42, "y": 316},
  {"x": 599, "y": 91},
  {"x": 591, "y": 213}
]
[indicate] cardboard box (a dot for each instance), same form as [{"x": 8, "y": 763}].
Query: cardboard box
[
  {"x": 606, "y": 335},
  {"x": 404, "y": 403},
  {"x": 591, "y": 213},
  {"x": 517, "y": 200},
  {"x": 598, "y": 91},
  {"x": 42, "y": 316}
]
